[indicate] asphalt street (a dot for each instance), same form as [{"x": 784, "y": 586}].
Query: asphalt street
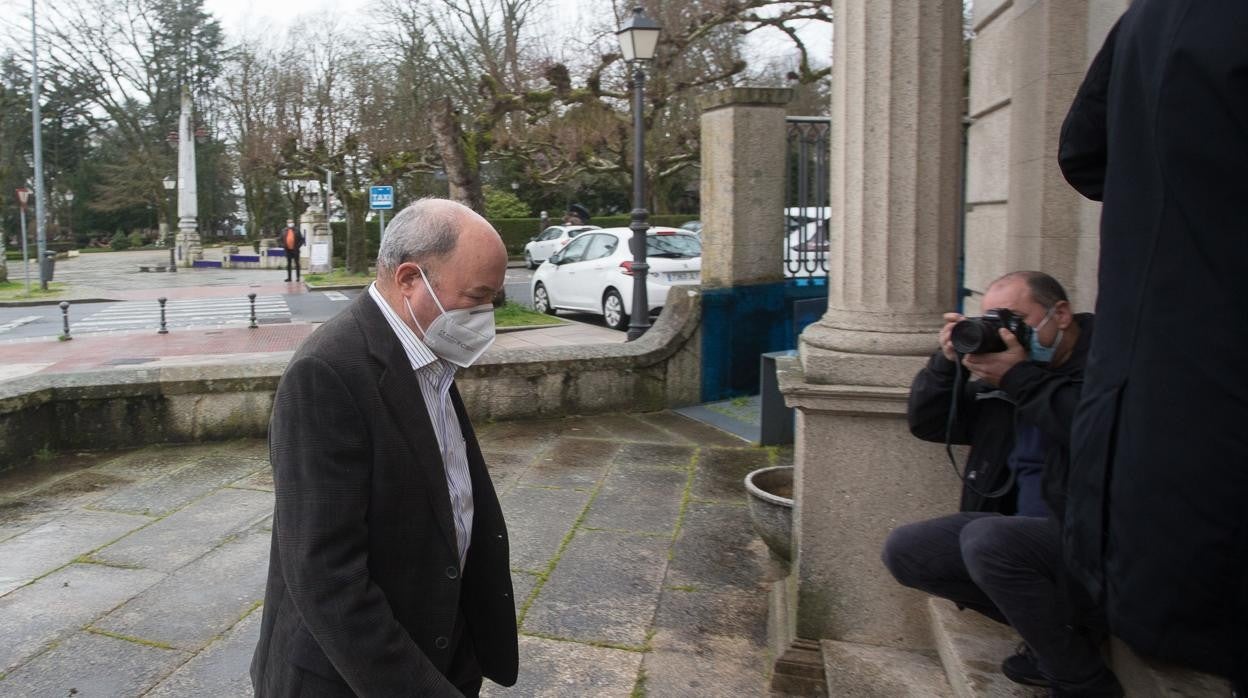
[{"x": 312, "y": 306}]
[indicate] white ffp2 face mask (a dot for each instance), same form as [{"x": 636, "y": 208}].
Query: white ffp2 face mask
[{"x": 459, "y": 336}]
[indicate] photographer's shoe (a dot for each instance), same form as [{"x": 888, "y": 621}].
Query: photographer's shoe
[{"x": 1021, "y": 668}]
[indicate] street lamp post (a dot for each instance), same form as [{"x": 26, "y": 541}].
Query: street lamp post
[
  {"x": 639, "y": 37},
  {"x": 23, "y": 194},
  {"x": 170, "y": 184}
]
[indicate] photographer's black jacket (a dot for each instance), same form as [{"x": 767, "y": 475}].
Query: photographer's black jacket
[{"x": 1032, "y": 393}]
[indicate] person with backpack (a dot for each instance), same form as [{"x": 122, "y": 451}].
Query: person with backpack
[{"x": 292, "y": 241}]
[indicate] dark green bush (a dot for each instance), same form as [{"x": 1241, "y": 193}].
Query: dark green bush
[
  {"x": 518, "y": 231},
  {"x": 119, "y": 241}
]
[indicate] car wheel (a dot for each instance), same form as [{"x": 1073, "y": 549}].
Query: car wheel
[
  {"x": 528, "y": 260},
  {"x": 613, "y": 310},
  {"x": 541, "y": 300}
]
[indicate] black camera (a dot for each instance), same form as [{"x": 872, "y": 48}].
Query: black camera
[{"x": 980, "y": 335}]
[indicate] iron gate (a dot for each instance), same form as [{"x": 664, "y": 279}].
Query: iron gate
[{"x": 806, "y": 211}]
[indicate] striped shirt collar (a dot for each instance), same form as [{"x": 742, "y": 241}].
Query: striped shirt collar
[{"x": 417, "y": 352}]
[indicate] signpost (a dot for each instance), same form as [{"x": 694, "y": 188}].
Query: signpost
[
  {"x": 22, "y": 195},
  {"x": 381, "y": 199}
]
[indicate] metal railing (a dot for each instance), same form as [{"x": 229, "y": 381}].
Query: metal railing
[{"x": 806, "y": 212}]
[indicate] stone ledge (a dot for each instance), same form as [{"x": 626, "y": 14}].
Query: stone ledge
[
  {"x": 1141, "y": 678},
  {"x": 840, "y": 399},
  {"x": 133, "y": 406},
  {"x": 863, "y": 670},
  {"x": 971, "y": 647},
  {"x": 746, "y": 96}
]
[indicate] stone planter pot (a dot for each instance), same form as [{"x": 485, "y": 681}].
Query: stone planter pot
[{"x": 770, "y": 499}]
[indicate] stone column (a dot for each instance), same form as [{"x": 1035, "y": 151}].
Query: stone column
[
  {"x": 896, "y": 151},
  {"x": 189, "y": 248},
  {"x": 743, "y": 164}
]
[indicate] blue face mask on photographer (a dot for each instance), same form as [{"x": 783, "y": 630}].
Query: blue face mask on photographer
[{"x": 1037, "y": 351}]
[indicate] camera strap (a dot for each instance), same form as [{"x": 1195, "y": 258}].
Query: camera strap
[{"x": 959, "y": 381}]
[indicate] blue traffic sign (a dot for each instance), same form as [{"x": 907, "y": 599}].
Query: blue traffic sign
[{"x": 381, "y": 198}]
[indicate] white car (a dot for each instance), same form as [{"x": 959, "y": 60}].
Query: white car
[
  {"x": 594, "y": 273},
  {"x": 550, "y": 241}
]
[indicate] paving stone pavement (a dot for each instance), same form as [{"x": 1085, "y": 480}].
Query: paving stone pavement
[{"x": 635, "y": 569}]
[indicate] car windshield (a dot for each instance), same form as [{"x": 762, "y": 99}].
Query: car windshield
[
  {"x": 673, "y": 245},
  {"x": 573, "y": 232}
]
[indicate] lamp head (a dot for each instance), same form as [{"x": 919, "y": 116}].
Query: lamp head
[{"x": 639, "y": 36}]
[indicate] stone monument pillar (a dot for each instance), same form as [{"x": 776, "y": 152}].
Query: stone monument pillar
[
  {"x": 189, "y": 248},
  {"x": 319, "y": 247},
  {"x": 896, "y": 151}
]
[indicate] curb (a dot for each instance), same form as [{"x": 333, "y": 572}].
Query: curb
[
  {"x": 54, "y": 301},
  {"x": 521, "y": 328},
  {"x": 334, "y": 287}
]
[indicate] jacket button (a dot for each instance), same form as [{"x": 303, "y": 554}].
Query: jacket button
[
  {"x": 441, "y": 643},
  {"x": 452, "y": 572}
]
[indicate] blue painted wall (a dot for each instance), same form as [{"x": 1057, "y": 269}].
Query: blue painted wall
[{"x": 742, "y": 322}]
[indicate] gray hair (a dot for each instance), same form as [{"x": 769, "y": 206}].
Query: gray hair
[{"x": 426, "y": 230}]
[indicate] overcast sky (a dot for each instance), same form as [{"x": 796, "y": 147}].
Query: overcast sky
[{"x": 272, "y": 17}]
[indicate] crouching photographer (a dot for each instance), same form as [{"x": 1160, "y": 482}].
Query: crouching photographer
[{"x": 1007, "y": 384}]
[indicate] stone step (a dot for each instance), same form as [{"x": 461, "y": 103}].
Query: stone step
[
  {"x": 971, "y": 648},
  {"x": 1148, "y": 679},
  {"x": 863, "y": 670}
]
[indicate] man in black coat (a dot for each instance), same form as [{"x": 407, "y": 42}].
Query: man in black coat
[
  {"x": 1016, "y": 415},
  {"x": 389, "y": 571},
  {"x": 1158, "y": 515}
]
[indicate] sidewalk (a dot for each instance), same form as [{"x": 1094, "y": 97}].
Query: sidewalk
[{"x": 635, "y": 568}]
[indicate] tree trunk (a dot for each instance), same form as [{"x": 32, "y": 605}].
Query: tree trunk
[
  {"x": 462, "y": 172},
  {"x": 356, "y": 204}
]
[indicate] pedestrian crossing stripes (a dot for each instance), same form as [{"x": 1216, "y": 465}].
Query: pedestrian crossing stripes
[
  {"x": 190, "y": 312},
  {"x": 14, "y": 324}
]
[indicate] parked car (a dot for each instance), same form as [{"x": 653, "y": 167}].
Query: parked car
[
  {"x": 550, "y": 241},
  {"x": 594, "y": 273}
]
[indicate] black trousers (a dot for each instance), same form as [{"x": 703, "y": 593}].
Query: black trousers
[
  {"x": 295, "y": 257},
  {"x": 1005, "y": 567}
]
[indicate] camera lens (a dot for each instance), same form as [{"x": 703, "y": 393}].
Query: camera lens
[{"x": 975, "y": 336}]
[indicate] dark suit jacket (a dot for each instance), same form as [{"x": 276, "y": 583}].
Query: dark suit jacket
[
  {"x": 1157, "y": 520},
  {"x": 364, "y": 580}
]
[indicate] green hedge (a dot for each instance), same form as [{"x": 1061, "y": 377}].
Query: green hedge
[
  {"x": 514, "y": 231},
  {"x": 518, "y": 231}
]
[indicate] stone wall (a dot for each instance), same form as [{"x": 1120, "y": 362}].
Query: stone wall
[
  {"x": 126, "y": 407},
  {"x": 1027, "y": 59}
]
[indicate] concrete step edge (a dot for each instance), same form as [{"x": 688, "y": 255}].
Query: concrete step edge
[
  {"x": 1142, "y": 678},
  {"x": 864, "y": 670},
  {"x": 971, "y": 648}
]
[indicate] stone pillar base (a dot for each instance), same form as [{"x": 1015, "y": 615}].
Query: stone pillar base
[
  {"x": 189, "y": 248},
  {"x": 860, "y": 474}
]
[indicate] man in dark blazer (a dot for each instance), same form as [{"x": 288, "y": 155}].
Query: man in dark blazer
[
  {"x": 1157, "y": 519},
  {"x": 389, "y": 571}
]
